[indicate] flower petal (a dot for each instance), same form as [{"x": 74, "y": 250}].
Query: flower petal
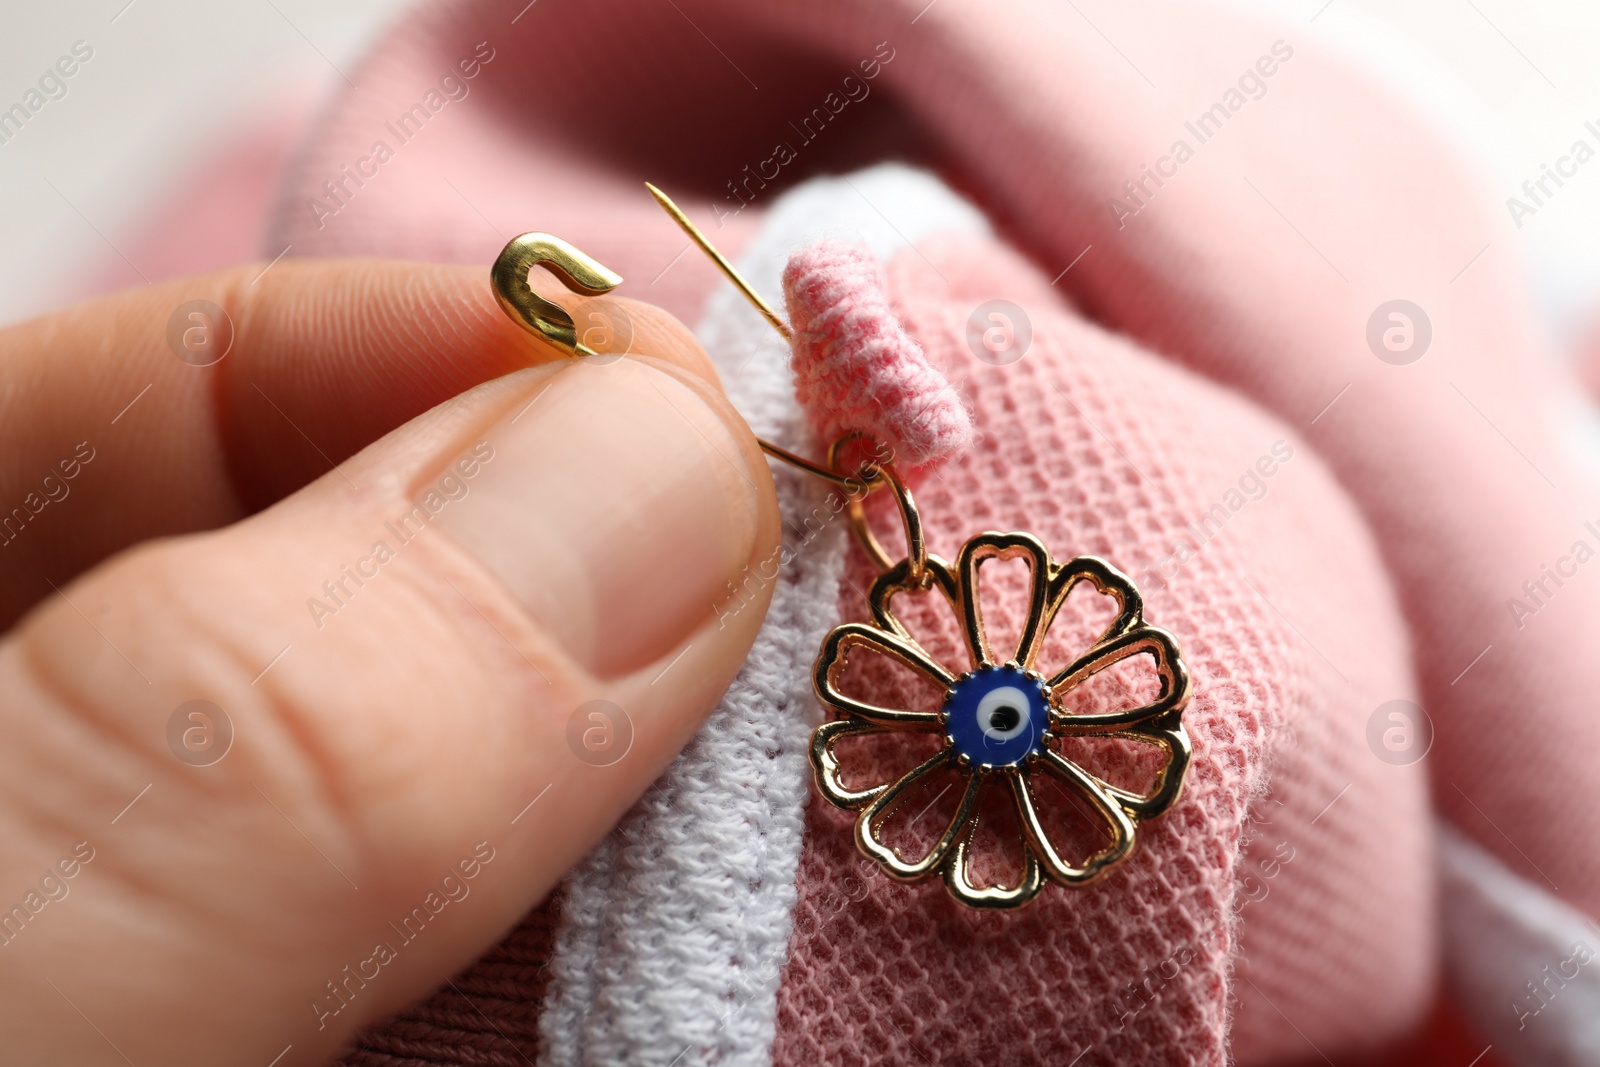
[
  {"x": 1088, "y": 602},
  {"x": 826, "y": 763},
  {"x": 870, "y": 823},
  {"x": 1107, "y": 580},
  {"x": 957, "y": 877},
  {"x": 1156, "y": 643},
  {"x": 1097, "y": 864},
  {"x": 940, "y": 577},
  {"x": 974, "y": 554},
  {"x": 1164, "y": 787},
  {"x": 833, "y": 658}
]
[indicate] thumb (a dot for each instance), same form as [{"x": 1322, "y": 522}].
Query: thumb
[{"x": 431, "y": 680}]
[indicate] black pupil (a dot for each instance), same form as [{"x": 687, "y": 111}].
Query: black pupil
[{"x": 1004, "y": 718}]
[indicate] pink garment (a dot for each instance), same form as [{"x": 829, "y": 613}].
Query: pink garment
[
  {"x": 1256, "y": 264},
  {"x": 856, "y": 369},
  {"x": 1587, "y": 365},
  {"x": 219, "y": 215},
  {"x": 1100, "y": 448}
]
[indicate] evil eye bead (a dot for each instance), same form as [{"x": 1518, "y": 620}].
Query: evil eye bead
[
  {"x": 997, "y": 716},
  {"x": 1003, "y": 713}
]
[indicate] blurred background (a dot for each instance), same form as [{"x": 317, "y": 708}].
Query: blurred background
[{"x": 171, "y": 83}]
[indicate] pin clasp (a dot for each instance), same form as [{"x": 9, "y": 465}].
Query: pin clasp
[{"x": 579, "y": 272}]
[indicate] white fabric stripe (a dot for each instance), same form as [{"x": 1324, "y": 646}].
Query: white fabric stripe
[
  {"x": 674, "y": 931},
  {"x": 1525, "y": 964}
]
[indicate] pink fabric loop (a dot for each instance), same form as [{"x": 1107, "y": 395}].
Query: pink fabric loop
[{"x": 856, "y": 368}]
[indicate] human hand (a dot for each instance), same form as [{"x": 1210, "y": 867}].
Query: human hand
[{"x": 398, "y": 763}]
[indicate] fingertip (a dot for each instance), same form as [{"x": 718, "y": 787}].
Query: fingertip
[{"x": 620, "y": 325}]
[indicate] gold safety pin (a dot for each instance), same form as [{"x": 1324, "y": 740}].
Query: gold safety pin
[
  {"x": 578, "y": 271},
  {"x": 581, "y": 273}
]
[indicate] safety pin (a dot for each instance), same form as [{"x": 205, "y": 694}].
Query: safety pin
[{"x": 582, "y": 273}]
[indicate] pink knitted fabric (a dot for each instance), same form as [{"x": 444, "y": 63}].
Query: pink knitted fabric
[
  {"x": 856, "y": 369},
  {"x": 1123, "y": 453}
]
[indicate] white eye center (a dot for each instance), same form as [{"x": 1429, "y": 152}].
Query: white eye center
[{"x": 1003, "y": 713}]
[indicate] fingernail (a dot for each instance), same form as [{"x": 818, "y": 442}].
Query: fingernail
[{"x": 617, "y": 506}]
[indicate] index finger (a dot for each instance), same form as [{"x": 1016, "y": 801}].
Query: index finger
[{"x": 188, "y": 405}]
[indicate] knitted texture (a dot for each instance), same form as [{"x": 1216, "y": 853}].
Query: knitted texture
[
  {"x": 1098, "y": 448},
  {"x": 487, "y": 1016},
  {"x": 856, "y": 369}
]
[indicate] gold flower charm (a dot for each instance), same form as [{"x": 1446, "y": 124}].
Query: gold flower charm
[{"x": 1003, "y": 721}]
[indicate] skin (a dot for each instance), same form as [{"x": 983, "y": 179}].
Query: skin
[{"x": 400, "y": 739}]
